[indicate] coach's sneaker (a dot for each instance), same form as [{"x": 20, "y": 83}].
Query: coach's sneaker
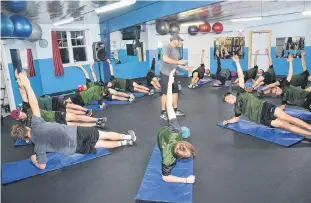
[
  {"x": 89, "y": 112},
  {"x": 163, "y": 115},
  {"x": 151, "y": 92},
  {"x": 132, "y": 134},
  {"x": 179, "y": 113}
]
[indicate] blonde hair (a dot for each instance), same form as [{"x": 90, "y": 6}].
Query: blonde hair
[
  {"x": 18, "y": 131},
  {"x": 183, "y": 146}
]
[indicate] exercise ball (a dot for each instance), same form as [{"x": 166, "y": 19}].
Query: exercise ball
[
  {"x": 218, "y": 28},
  {"x": 7, "y": 27},
  {"x": 162, "y": 27},
  {"x": 193, "y": 30},
  {"x": 36, "y": 33},
  {"x": 22, "y": 27},
  {"x": 16, "y": 6},
  {"x": 174, "y": 29},
  {"x": 204, "y": 28}
]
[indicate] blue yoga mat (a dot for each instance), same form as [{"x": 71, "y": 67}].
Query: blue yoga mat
[
  {"x": 138, "y": 95},
  {"x": 153, "y": 188},
  {"x": 302, "y": 114},
  {"x": 20, "y": 142},
  {"x": 24, "y": 169},
  {"x": 96, "y": 107},
  {"x": 203, "y": 82},
  {"x": 276, "y": 136}
]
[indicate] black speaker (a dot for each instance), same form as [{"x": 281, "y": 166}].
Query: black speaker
[{"x": 99, "y": 51}]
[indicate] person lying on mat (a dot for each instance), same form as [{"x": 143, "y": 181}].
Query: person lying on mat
[
  {"x": 108, "y": 93},
  {"x": 25, "y": 115},
  {"x": 126, "y": 84},
  {"x": 49, "y": 103},
  {"x": 152, "y": 79},
  {"x": 170, "y": 142},
  {"x": 54, "y": 137},
  {"x": 266, "y": 78},
  {"x": 222, "y": 74},
  {"x": 300, "y": 80},
  {"x": 251, "y": 73},
  {"x": 198, "y": 74},
  {"x": 289, "y": 94},
  {"x": 260, "y": 111}
]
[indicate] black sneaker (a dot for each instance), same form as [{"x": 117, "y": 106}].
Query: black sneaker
[
  {"x": 102, "y": 120},
  {"x": 179, "y": 113},
  {"x": 164, "y": 115},
  {"x": 88, "y": 112},
  {"x": 100, "y": 125}
]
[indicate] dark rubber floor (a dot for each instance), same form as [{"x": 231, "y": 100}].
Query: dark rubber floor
[{"x": 229, "y": 167}]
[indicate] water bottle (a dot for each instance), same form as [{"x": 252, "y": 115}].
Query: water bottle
[{"x": 179, "y": 86}]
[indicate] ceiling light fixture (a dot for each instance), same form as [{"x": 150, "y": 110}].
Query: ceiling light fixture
[
  {"x": 306, "y": 13},
  {"x": 114, "y": 6},
  {"x": 245, "y": 19},
  {"x": 192, "y": 23},
  {"x": 62, "y": 22}
]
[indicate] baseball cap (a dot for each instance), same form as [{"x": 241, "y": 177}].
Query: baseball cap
[
  {"x": 176, "y": 37},
  {"x": 15, "y": 114}
]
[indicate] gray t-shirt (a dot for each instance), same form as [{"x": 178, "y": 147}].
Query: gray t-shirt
[
  {"x": 52, "y": 137},
  {"x": 172, "y": 53}
]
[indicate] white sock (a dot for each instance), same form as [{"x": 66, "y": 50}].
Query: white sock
[
  {"x": 122, "y": 143},
  {"x": 126, "y": 137}
]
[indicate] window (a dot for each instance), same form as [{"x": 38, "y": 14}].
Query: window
[{"x": 72, "y": 46}]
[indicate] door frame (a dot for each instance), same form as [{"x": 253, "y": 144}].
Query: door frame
[
  {"x": 250, "y": 43},
  {"x": 6, "y": 76}
]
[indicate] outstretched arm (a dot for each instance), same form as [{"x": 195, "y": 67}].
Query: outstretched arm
[
  {"x": 290, "y": 68},
  {"x": 86, "y": 74},
  {"x": 239, "y": 70},
  {"x": 275, "y": 84},
  {"x": 21, "y": 88},
  {"x": 255, "y": 59},
  {"x": 202, "y": 56},
  {"x": 92, "y": 71},
  {"x": 187, "y": 68},
  {"x": 169, "y": 103},
  {"x": 232, "y": 120},
  {"x": 269, "y": 57},
  {"x": 33, "y": 102},
  {"x": 303, "y": 61}
]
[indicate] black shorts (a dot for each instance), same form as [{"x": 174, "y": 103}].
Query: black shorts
[
  {"x": 108, "y": 97},
  {"x": 164, "y": 83},
  {"x": 195, "y": 71},
  {"x": 307, "y": 103},
  {"x": 57, "y": 103},
  {"x": 305, "y": 79},
  {"x": 77, "y": 99},
  {"x": 149, "y": 77},
  {"x": 246, "y": 77},
  {"x": 60, "y": 117},
  {"x": 86, "y": 139},
  {"x": 267, "y": 114},
  {"x": 129, "y": 85},
  {"x": 268, "y": 78}
]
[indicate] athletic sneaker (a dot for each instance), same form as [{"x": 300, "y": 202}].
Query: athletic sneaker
[
  {"x": 88, "y": 112},
  {"x": 100, "y": 125},
  {"x": 260, "y": 94},
  {"x": 151, "y": 92},
  {"x": 179, "y": 113},
  {"x": 190, "y": 86},
  {"x": 102, "y": 120},
  {"x": 132, "y": 134},
  {"x": 164, "y": 115},
  {"x": 129, "y": 142}
]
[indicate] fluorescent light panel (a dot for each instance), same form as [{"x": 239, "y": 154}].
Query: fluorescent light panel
[
  {"x": 114, "y": 6},
  {"x": 306, "y": 13},
  {"x": 245, "y": 19},
  {"x": 192, "y": 23},
  {"x": 62, "y": 22}
]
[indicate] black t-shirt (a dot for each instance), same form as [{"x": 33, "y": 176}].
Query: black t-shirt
[
  {"x": 201, "y": 71},
  {"x": 269, "y": 76}
]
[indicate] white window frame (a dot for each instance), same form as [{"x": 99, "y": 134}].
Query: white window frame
[{"x": 87, "y": 45}]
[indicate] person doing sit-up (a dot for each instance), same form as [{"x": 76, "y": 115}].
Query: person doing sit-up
[
  {"x": 266, "y": 78},
  {"x": 25, "y": 115},
  {"x": 170, "y": 141},
  {"x": 222, "y": 74},
  {"x": 260, "y": 111},
  {"x": 251, "y": 73},
  {"x": 126, "y": 84},
  {"x": 108, "y": 93},
  {"x": 198, "y": 74},
  {"x": 54, "y": 137},
  {"x": 152, "y": 79}
]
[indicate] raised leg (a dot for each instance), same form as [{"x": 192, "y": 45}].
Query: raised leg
[
  {"x": 156, "y": 85},
  {"x": 137, "y": 89},
  {"x": 279, "y": 123},
  {"x": 140, "y": 87},
  {"x": 114, "y": 97}
]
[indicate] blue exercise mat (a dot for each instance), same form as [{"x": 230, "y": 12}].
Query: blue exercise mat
[
  {"x": 25, "y": 168},
  {"x": 20, "y": 142},
  {"x": 116, "y": 102},
  {"x": 96, "y": 107},
  {"x": 302, "y": 114},
  {"x": 276, "y": 136},
  {"x": 138, "y": 95},
  {"x": 153, "y": 188},
  {"x": 203, "y": 82}
]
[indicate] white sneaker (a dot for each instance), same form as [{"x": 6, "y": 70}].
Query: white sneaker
[
  {"x": 151, "y": 92},
  {"x": 164, "y": 116},
  {"x": 132, "y": 134}
]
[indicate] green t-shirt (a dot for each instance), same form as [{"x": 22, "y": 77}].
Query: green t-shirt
[
  {"x": 120, "y": 83},
  {"x": 90, "y": 84},
  {"x": 292, "y": 95},
  {"x": 45, "y": 102},
  {"x": 300, "y": 80},
  {"x": 48, "y": 116},
  {"x": 92, "y": 94},
  {"x": 250, "y": 73},
  {"x": 225, "y": 73},
  {"x": 248, "y": 105}
]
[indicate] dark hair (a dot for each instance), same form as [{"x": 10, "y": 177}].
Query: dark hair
[
  {"x": 18, "y": 131},
  {"x": 225, "y": 95}
]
